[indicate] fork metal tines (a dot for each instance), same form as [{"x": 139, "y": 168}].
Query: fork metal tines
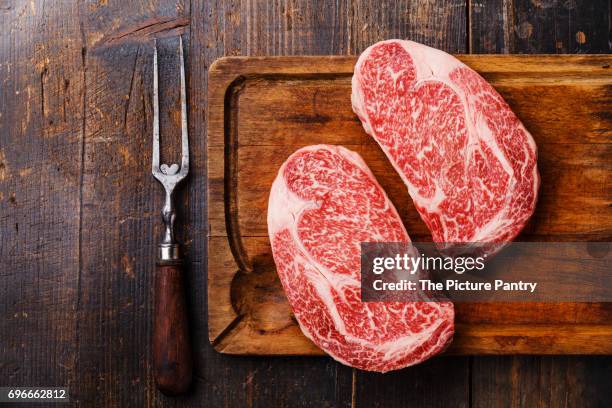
[{"x": 169, "y": 176}]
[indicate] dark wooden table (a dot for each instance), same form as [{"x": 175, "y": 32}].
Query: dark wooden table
[{"x": 79, "y": 210}]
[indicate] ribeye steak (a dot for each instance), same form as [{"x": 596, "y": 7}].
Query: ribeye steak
[
  {"x": 324, "y": 202},
  {"x": 467, "y": 160}
]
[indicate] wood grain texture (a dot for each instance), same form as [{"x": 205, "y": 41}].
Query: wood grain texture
[
  {"x": 439, "y": 24},
  {"x": 561, "y": 26},
  {"x": 172, "y": 361},
  {"x": 121, "y": 203},
  {"x": 41, "y": 99},
  {"x": 83, "y": 69},
  {"x": 416, "y": 385},
  {"x": 569, "y": 381},
  {"x": 539, "y": 26}
]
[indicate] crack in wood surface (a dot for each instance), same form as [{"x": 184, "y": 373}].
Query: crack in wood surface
[{"x": 147, "y": 29}]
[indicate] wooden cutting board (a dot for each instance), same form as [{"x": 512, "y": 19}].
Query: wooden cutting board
[{"x": 263, "y": 109}]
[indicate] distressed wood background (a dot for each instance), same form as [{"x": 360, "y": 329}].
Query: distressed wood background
[{"x": 79, "y": 209}]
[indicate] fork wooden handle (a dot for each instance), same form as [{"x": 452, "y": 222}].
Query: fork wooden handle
[{"x": 171, "y": 347}]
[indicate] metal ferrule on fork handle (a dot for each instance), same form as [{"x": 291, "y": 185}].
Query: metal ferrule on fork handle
[{"x": 168, "y": 248}]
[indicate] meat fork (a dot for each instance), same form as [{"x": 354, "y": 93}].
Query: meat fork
[{"x": 171, "y": 347}]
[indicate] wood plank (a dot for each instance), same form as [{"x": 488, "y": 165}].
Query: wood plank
[
  {"x": 491, "y": 27},
  {"x": 439, "y": 24},
  {"x": 581, "y": 26},
  {"x": 41, "y": 95},
  {"x": 542, "y": 26},
  {"x": 293, "y": 28},
  {"x": 440, "y": 382},
  {"x": 121, "y": 201},
  {"x": 561, "y": 381}
]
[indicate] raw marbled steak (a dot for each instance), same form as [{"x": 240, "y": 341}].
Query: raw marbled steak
[
  {"x": 467, "y": 160},
  {"x": 324, "y": 202}
]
